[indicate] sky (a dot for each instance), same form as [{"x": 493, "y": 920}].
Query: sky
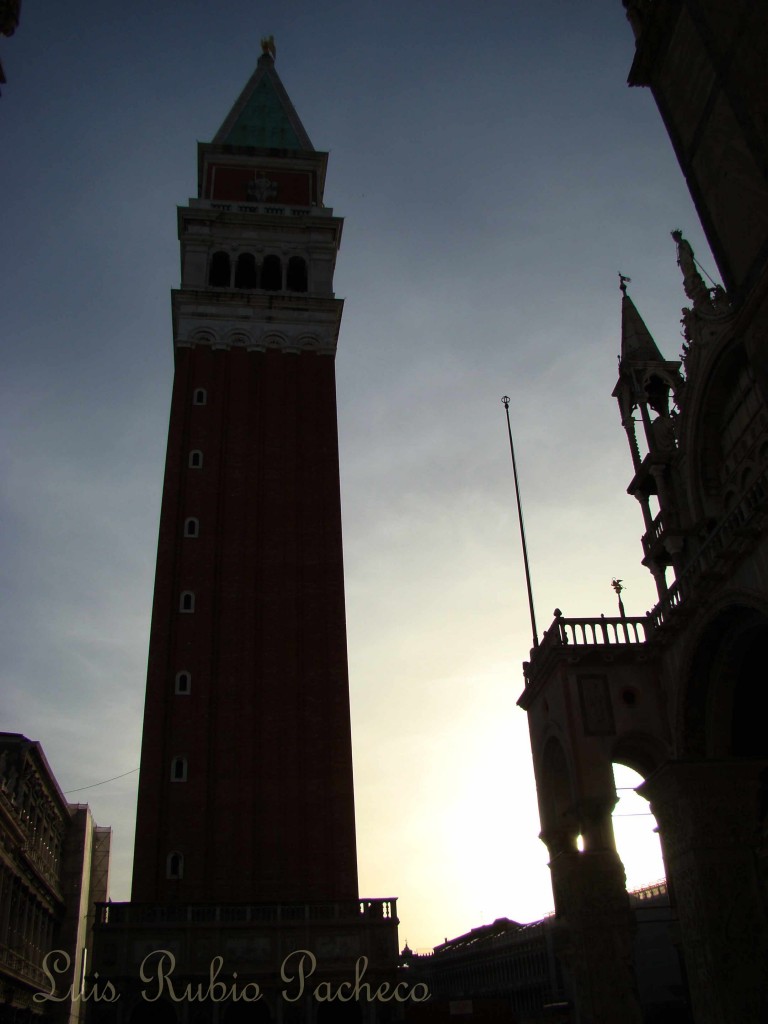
[{"x": 495, "y": 174}]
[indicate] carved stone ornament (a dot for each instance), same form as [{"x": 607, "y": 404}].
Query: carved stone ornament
[{"x": 261, "y": 189}]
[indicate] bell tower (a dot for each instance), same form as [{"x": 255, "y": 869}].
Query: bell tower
[
  {"x": 246, "y": 771},
  {"x": 245, "y": 833}
]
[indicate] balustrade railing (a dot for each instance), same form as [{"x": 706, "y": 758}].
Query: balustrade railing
[
  {"x": 578, "y": 633},
  {"x": 652, "y": 891},
  {"x": 111, "y": 914},
  {"x": 600, "y": 630},
  {"x": 657, "y": 528}
]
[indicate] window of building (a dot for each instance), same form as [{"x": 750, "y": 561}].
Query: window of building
[
  {"x": 245, "y": 271},
  {"x": 199, "y": 396},
  {"x": 196, "y": 459},
  {"x": 174, "y": 866},
  {"x": 297, "y": 274},
  {"x": 219, "y": 272},
  {"x": 183, "y": 682},
  {"x": 272, "y": 274},
  {"x": 179, "y": 769},
  {"x": 187, "y": 601},
  {"x": 191, "y": 527}
]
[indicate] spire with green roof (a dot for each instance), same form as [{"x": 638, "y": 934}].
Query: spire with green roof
[{"x": 263, "y": 116}]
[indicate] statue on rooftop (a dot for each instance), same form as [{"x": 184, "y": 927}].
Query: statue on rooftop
[{"x": 693, "y": 282}]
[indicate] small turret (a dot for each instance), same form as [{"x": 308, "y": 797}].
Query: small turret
[{"x": 649, "y": 382}]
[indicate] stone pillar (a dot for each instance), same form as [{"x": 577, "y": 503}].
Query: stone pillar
[
  {"x": 712, "y": 818},
  {"x": 594, "y": 934}
]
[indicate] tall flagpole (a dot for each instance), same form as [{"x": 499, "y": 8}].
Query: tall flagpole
[{"x": 505, "y": 402}]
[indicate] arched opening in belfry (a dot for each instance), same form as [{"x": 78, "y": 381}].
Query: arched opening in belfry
[
  {"x": 245, "y": 272},
  {"x": 272, "y": 274},
  {"x": 219, "y": 270},
  {"x": 635, "y": 831},
  {"x": 297, "y": 274}
]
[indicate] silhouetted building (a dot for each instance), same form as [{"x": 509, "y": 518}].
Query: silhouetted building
[
  {"x": 245, "y": 836},
  {"x": 54, "y": 864},
  {"x": 509, "y": 972},
  {"x": 676, "y": 694},
  {"x": 503, "y": 971}
]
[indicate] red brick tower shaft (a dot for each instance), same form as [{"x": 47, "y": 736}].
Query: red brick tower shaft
[{"x": 246, "y": 773}]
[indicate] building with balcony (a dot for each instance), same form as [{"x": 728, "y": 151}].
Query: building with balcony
[
  {"x": 54, "y": 864},
  {"x": 676, "y": 694}
]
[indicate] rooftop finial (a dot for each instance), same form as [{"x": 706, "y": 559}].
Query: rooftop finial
[
  {"x": 268, "y": 47},
  {"x": 623, "y": 282}
]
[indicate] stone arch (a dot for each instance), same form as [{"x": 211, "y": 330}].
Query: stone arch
[
  {"x": 246, "y": 271},
  {"x": 659, "y": 387},
  {"x": 274, "y": 340},
  {"x": 726, "y": 670},
  {"x": 204, "y": 336},
  {"x": 238, "y": 338},
  {"x": 296, "y": 280},
  {"x": 272, "y": 273},
  {"x": 308, "y": 341},
  {"x": 554, "y": 781},
  {"x": 641, "y": 752},
  {"x": 220, "y": 270}
]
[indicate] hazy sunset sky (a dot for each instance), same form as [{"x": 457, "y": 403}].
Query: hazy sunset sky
[{"x": 495, "y": 173}]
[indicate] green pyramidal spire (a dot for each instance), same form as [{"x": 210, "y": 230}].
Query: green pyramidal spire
[{"x": 263, "y": 116}]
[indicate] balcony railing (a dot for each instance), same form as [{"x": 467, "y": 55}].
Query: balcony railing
[
  {"x": 202, "y": 914},
  {"x": 652, "y": 891},
  {"x": 601, "y": 630},
  {"x": 22, "y": 968},
  {"x": 578, "y": 634}
]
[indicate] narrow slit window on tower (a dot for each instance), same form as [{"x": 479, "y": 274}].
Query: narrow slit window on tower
[
  {"x": 245, "y": 271},
  {"x": 297, "y": 274},
  {"x": 196, "y": 459},
  {"x": 179, "y": 769},
  {"x": 187, "y": 601},
  {"x": 272, "y": 274},
  {"x": 183, "y": 682},
  {"x": 219, "y": 272},
  {"x": 174, "y": 867},
  {"x": 191, "y": 527},
  {"x": 199, "y": 396}
]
